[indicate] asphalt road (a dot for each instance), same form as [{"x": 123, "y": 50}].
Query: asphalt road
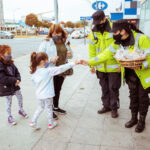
[{"x": 24, "y": 46}]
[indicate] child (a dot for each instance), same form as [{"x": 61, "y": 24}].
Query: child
[
  {"x": 9, "y": 82},
  {"x": 42, "y": 76}
]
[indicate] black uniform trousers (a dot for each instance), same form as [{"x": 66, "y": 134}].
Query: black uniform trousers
[
  {"x": 139, "y": 100},
  {"x": 110, "y": 84},
  {"x": 58, "y": 81}
]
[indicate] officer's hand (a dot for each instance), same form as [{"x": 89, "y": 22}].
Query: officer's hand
[
  {"x": 84, "y": 62},
  {"x": 93, "y": 70}
]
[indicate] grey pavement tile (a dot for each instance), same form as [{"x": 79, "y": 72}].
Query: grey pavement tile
[
  {"x": 91, "y": 111},
  {"x": 115, "y": 124},
  {"x": 141, "y": 140},
  {"x": 87, "y": 136},
  {"x": 141, "y": 148},
  {"x": 91, "y": 123},
  {"x": 115, "y": 148},
  {"x": 74, "y": 110},
  {"x": 61, "y": 133},
  {"x": 117, "y": 139},
  {"x": 124, "y": 114},
  {"x": 68, "y": 120},
  {"x": 74, "y": 146},
  {"x": 50, "y": 145}
]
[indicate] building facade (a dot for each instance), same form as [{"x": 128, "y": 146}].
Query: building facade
[
  {"x": 145, "y": 17},
  {"x": 1, "y": 13},
  {"x": 129, "y": 10}
]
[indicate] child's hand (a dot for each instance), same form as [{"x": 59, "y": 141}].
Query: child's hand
[
  {"x": 84, "y": 62},
  {"x": 93, "y": 70},
  {"x": 77, "y": 62},
  {"x": 17, "y": 83},
  {"x": 54, "y": 59},
  {"x": 69, "y": 54}
]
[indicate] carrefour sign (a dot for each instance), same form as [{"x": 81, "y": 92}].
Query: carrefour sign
[{"x": 99, "y": 5}]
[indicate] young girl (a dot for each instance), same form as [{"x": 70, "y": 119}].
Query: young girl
[
  {"x": 9, "y": 82},
  {"x": 42, "y": 76}
]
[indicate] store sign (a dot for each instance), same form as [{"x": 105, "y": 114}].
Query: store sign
[{"x": 99, "y": 5}]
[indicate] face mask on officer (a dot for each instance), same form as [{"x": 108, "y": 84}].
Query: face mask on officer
[
  {"x": 102, "y": 24},
  {"x": 118, "y": 36}
]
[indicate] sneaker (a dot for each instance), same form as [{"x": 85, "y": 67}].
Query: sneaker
[
  {"x": 11, "y": 121},
  {"x": 32, "y": 124},
  {"x": 53, "y": 125},
  {"x": 60, "y": 111},
  {"x": 55, "y": 117},
  {"x": 23, "y": 114}
]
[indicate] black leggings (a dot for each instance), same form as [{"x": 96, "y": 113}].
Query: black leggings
[{"x": 58, "y": 81}]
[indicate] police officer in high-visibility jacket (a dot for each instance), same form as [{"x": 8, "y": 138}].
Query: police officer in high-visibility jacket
[
  {"x": 107, "y": 72},
  {"x": 138, "y": 78}
]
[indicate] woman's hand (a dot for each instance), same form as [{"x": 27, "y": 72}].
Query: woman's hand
[
  {"x": 54, "y": 59},
  {"x": 17, "y": 83},
  {"x": 84, "y": 62},
  {"x": 93, "y": 70},
  {"x": 69, "y": 54}
]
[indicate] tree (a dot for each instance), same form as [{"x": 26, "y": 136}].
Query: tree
[
  {"x": 31, "y": 20},
  {"x": 78, "y": 25},
  {"x": 70, "y": 24},
  {"x": 40, "y": 24},
  {"x": 47, "y": 24}
]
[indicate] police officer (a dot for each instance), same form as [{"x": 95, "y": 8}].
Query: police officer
[
  {"x": 107, "y": 72},
  {"x": 138, "y": 78}
]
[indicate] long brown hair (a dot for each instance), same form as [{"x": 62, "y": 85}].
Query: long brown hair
[
  {"x": 3, "y": 50},
  {"x": 35, "y": 60},
  {"x": 56, "y": 28}
]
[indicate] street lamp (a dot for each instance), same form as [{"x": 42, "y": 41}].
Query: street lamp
[
  {"x": 14, "y": 15},
  {"x": 56, "y": 10}
]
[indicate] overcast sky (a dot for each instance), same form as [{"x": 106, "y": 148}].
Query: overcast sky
[{"x": 69, "y": 10}]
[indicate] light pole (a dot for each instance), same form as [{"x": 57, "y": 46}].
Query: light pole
[
  {"x": 96, "y": 5},
  {"x": 14, "y": 15},
  {"x": 56, "y": 10}
]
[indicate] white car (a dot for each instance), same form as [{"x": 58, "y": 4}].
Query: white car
[
  {"x": 6, "y": 35},
  {"x": 76, "y": 35}
]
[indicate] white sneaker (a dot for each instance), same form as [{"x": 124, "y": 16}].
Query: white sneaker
[
  {"x": 53, "y": 125},
  {"x": 32, "y": 124}
]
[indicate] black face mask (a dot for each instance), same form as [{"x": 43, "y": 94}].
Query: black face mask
[
  {"x": 57, "y": 37},
  {"x": 101, "y": 27},
  {"x": 117, "y": 38}
]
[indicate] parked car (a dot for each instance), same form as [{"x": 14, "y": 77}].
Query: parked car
[
  {"x": 6, "y": 35},
  {"x": 69, "y": 30},
  {"x": 76, "y": 35}
]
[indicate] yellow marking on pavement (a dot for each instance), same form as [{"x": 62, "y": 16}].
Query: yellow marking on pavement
[
  {"x": 73, "y": 45},
  {"x": 30, "y": 36}
]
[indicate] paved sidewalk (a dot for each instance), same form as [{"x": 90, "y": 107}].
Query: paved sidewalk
[{"x": 81, "y": 128}]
